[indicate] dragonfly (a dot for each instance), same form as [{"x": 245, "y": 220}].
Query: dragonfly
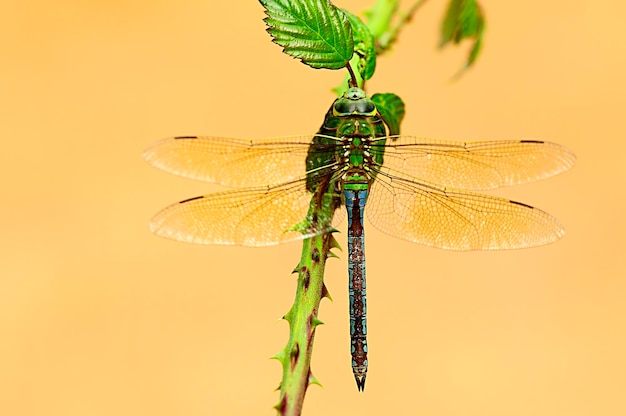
[{"x": 414, "y": 188}]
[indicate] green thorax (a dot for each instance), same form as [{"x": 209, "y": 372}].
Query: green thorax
[{"x": 349, "y": 133}]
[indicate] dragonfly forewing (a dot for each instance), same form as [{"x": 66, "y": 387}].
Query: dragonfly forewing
[
  {"x": 476, "y": 165},
  {"x": 232, "y": 162}
]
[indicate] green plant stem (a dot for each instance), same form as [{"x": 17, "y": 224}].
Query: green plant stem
[
  {"x": 380, "y": 18},
  {"x": 405, "y": 18},
  {"x": 302, "y": 318}
]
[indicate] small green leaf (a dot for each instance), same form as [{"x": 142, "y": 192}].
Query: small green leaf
[
  {"x": 464, "y": 20},
  {"x": 314, "y": 31},
  {"x": 391, "y": 109},
  {"x": 364, "y": 47}
]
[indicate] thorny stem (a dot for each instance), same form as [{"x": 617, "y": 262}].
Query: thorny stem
[{"x": 302, "y": 318}]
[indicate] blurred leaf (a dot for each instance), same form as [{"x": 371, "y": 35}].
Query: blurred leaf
[
  {"x": 391, "y": 109},
  {"x": 379, "y": 20},
  {"x": 363, "y": 46},
  {"x": 314, "y": 31},
  {"x": 464, "y": 20}
]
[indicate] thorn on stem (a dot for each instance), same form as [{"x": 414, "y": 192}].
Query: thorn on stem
[
  {"x": 326, "y": 293},
  {"x": 282, "y": 406},
  {"x": 314, "y": 321},
  {"x": 313, "y": 380}
]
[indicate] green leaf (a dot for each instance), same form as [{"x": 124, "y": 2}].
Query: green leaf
[
  {"x": 464, "y": 20},
  {"x": 391, "y": 109},
  {"x": 314, "y": 31},
  {"x": 364, "y": 47}
]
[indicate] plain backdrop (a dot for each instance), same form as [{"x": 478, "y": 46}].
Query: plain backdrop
[{"x": 100, "y": 317}]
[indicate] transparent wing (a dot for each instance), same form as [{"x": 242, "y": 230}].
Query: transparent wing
[
  {"x": 454, "y": 219},
  {"x": 478, "y": 165},
  {"x": 249, "y": 217},
  {"x": 232, "y": 162}
]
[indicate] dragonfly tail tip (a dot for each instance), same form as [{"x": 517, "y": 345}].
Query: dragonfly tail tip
[{"x": 360, "y": 381}]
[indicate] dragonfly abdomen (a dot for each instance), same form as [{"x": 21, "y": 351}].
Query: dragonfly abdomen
[{"x": 355, "y": 196}]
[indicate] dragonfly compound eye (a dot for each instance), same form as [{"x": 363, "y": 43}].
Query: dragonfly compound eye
[
  {"x": 365, "y": 107},
  {"x": 354, "y": 102},
  {"x": 344, "y": 107}
]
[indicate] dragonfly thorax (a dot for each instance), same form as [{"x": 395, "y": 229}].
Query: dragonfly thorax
[
  {"x": 356, "y": 152},
  {"x": 351, "y": 139},
  {"x": 353, "y": 126}
]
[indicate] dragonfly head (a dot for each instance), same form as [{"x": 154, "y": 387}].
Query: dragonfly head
[{"x": 354, "y": 102}]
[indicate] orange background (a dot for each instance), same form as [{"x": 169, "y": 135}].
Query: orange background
[{"x": 100, "y": 317}]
